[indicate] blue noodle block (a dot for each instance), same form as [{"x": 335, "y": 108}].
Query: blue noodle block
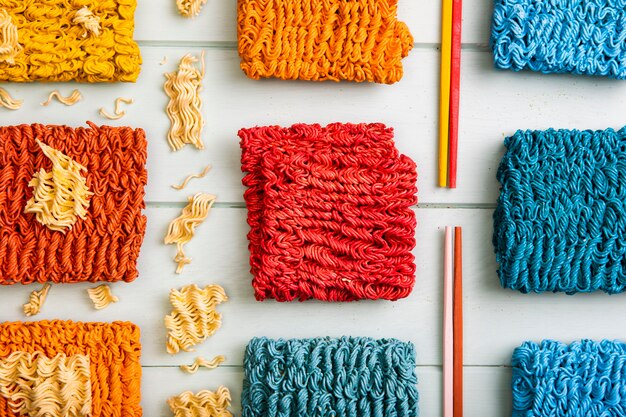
[
  {"x": 324, "y": 377},
  {"x": 584, "y": 379},
  {"x": 573, "y": 36},
  {"x": 560, "y": 222}
]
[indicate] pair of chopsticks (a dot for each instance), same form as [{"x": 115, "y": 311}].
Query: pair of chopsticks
[
  {"x": 453, "y": 324},
  {"x": 452, "y": 14}
]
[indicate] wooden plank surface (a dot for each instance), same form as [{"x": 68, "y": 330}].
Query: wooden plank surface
[{"x": 493, "y": 105}]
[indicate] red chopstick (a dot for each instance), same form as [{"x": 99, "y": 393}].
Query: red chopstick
[
  {"x": 458, "y": 323},
  {"x": 455, "y": 85}
]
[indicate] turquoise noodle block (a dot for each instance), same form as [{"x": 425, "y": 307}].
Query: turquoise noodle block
[
  {"x": 584, "y": 379},
  {"x": 562, "y": 36},
  {"x": 560, "y": 221},
  {"x": 326, "y": 377}
]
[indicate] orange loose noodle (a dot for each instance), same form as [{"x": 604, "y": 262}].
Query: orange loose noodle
[
  {"x": 36, "y": 300},
  {"x": 203, "y": 404},
  {"x": 185, "y": 106}
]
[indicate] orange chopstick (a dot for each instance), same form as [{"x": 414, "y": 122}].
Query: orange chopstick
[
  {"x": 458, "y": 322},
  {"x": 455, "y": 85}
]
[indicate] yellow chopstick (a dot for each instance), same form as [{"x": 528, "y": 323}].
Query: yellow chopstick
[{"x": 444, "y": 94}]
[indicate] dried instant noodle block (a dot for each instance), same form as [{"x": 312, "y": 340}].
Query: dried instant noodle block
[
  {"x": 330, "y": 212},
  {"x": 103, "y": 246},
  {"x": 319, "y": 40},
  {"x": 106, "y": 353},
  {"x": 60, "y": 40},
  {"x": 349, "y": 376}
]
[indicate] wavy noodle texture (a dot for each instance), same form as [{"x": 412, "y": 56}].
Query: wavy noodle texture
[
  {"x": 55, "y": 48},
  {"x": 190, "y": 8},
  {"x": 60, "y": 196},
  {"x": 350, "y": 376},
  {"x": 203, "y": 404},
  {"x": 9, "y": 38},
  {"x": 101, "y": 296},
  {"x": 103, "y": 247},
  {"x": 192, "y": 176},
  {"x": 183, "y": 228},
  {"x": 72, "y": 99},
  {"x": 559, "y": 223},
  {"x": 330, "y": 211},
  {"x": 319, "y": 40},
  {"x": 583, "y": 379},
  {"x": 203, "y": 363},
  {"x": 86, "y": 18},
  {"x": 113, "y": 352},
  {"x": 185, "y": 106},
  {"x": 38, "y": 386},
  {"x": 36, "y": 300},
  {"x": 9, "y": 102},
  {"x": 560, "y": 36},
  {"x": 193, "y": 317}
]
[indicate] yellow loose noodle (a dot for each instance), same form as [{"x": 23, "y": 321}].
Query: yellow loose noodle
[
  {"x": 36, "y": 300},
  {"x": 90, "y": 22},
  {"x": 183, "y": 228},
  {"x": 101, "y": 296},
  {"x": 185, "y": 105},
  {"x": 203, "y": 404},
  {"x": 72, "y": 99},
  {"x": 192, "y": 176},
  {"x": 38, "y": 386},
  {"x": 193, "y": 317},
  {"x": 190, "y": 8},
  {"x": 9, "y": 45},
  {"x": 9, "y": 102},
  {"x": 60, "y": 196},
  {"x": 200, "y": 362}
]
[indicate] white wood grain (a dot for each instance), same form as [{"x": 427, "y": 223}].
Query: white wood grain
[
  {"x": 158, "y": 21},
  {"x": 487, "y": 392},
  {"x": 493, "y": 105}
]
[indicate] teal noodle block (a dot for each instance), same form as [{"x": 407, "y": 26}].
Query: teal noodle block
[
  {"x": 560, "y": 221},
  {"x": 324, "y": 377},
  {"x": 561, "y": 36},
  {"x": 584, "y": 379}
]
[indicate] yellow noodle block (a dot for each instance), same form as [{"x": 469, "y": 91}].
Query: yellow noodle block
[
  {"x": 193, "y": 317},
  {"x": 60, "y": 196},
  {"x": 61, "y": 40},
  {"x": 203, "y": 404},
  {"x": 39, "y": 386}
]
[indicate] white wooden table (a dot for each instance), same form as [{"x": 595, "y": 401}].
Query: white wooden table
[{"x": 494, "y": 104}]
